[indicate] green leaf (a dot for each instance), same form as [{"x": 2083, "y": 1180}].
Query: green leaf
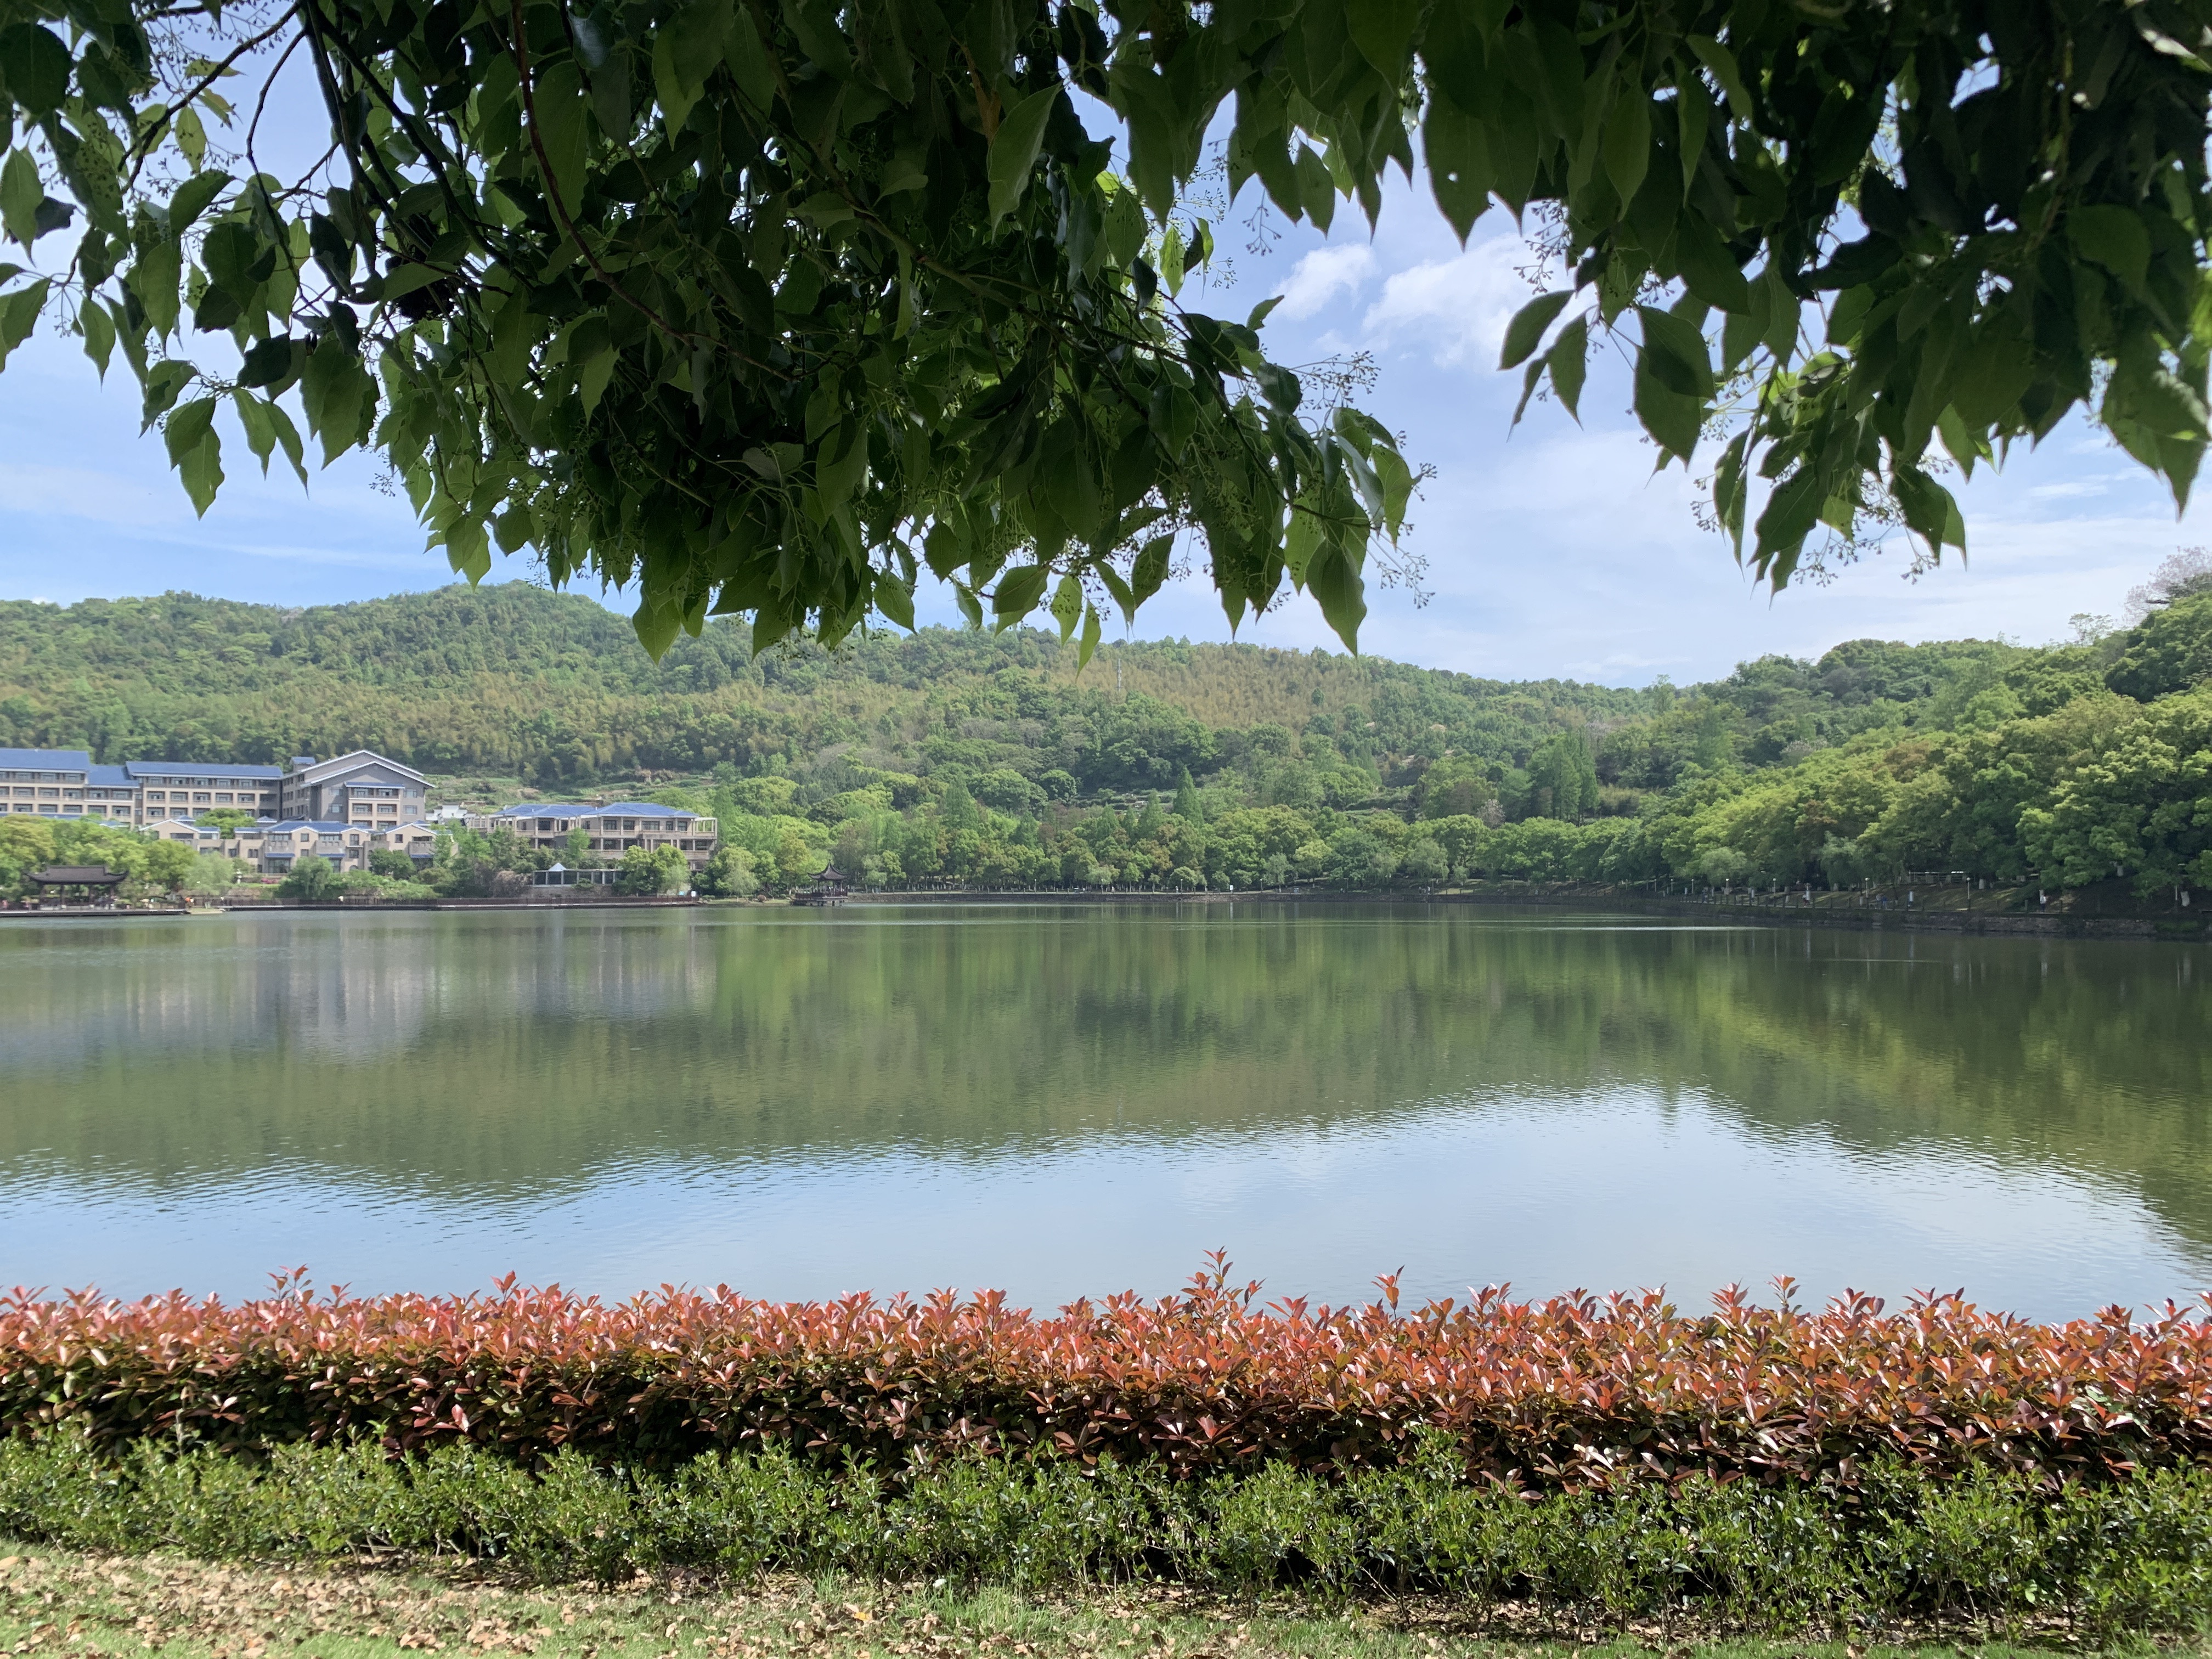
[
  {"x": 154, "y": 275},
  {"x": 1316, "y": 188},
  {"x": 1672, "y": 418},
  {"x": 20, "y": 192},
  {"x": 1383, "y": 31},
  {"x": 1018, "y": 592},
  {"x": 1067, "y": 605},
  {"x": 656, "y": 626},
  {"x": 1731, "y": 489},
  {"x": 894, "y": 599},
  {"x": 1568, "y": 360},
  {"x": 751, "y": 67},
  {"x": 1335, "y": 584},
  {"x": 562, "y": 107},
  {"x": 1721, "y": 62},
  {"x": 1929, "y": 510},
  {"x": 1151, "y": 568},
  {"x": 1458, "y": 155},
  {"x": 98, "y": 330},
  {"x": 1998, "y": 367},
  {"x": 1792, "y": 512},
  {"x": 195, "y": 450},
  {"x": 2115, "y": 237},
  {"x": 1677, "y": 352},
  {"x": 192, "y": 198},
  {"x": 336, "y": 393},
  {"x": 1526, "y": 331},
  {"x": 1014, "y": 150},
  {"x": 35, "y": 65},
  {"x": 1397, "y": 481},
  {"x": 19, "y": 315},
  {"x": 1626, "y": 144},
  {"x": 163, "y": 384},
  {"x": 1708, "y": 269},
  {"x": 1088, "y": 646}
]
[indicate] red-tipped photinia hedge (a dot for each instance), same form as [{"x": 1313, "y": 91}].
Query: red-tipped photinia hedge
[{"x": 1569, "y": 1392}]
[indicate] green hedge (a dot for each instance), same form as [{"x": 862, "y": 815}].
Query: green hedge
[{"x": 2134, "y": 1554}]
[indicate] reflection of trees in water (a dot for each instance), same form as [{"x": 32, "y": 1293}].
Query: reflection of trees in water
[{"x": 505, "y": 1052}]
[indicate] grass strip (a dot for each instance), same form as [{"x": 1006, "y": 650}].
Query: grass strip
[
  {"x": 1898, "y": 1546},
  {"x": 93, "y": 1607}
]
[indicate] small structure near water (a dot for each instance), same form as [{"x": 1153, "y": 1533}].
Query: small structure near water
[
  {"x": 829, "y": 888},
  {"x": 86, "y": 883}
]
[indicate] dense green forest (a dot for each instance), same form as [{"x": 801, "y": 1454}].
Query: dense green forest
[{"x": 957, "y": 757}]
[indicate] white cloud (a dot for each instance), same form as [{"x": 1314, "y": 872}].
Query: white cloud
[
  {"x": 1454, "y": 309},
  {"x": 1321, "y": 276}
]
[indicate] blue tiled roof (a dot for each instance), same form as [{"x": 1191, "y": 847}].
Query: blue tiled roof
[
  {"x": 543, "y": 809},
  {"x": 303, "y": 824},
  {"x": 630, "y": 809},
  {"x": 44, "y": 760},
  {"x": 109, "y": 777},
  {"x": 150, "y": 770}
]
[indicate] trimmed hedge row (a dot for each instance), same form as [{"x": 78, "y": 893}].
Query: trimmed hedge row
[
  {"x": 1553, "y": 1396},
  {"x": 1899, "y": 1543}
]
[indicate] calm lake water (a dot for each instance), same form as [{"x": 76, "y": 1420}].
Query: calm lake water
[{"x": 1064, "y": 1100}]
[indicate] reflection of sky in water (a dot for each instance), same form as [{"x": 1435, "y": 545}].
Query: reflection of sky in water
[
  {"x": 1549, "y": 1195},
  {"x": 1066, "y": 1101}
]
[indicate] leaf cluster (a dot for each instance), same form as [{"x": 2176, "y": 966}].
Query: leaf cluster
[{"x": 1569, "y": 1394}]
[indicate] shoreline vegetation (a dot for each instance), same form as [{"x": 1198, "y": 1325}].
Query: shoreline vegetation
[
  {"x": 1854, "y": 1470},
  {"x": 958, "y": 759}
]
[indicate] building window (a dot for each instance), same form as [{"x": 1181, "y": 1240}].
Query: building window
[{"x": 222, "y": 800}]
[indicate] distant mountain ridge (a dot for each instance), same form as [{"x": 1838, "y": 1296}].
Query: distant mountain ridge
[{"x": 517, "y": 680}]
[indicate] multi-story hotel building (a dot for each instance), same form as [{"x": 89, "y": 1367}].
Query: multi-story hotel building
[
  {"x": 362, "y": 789},
  {"x": 341, "y": 810},
  {"x": 610, "y": 830}
]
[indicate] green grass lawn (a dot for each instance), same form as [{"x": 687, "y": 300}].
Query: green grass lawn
[{"x": 55, "y": 1603}]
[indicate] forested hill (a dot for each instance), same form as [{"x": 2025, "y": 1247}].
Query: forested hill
[{"x": 552, "y": 688}]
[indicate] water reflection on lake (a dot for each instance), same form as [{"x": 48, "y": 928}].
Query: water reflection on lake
[{"x": 1068, "y": 1100}]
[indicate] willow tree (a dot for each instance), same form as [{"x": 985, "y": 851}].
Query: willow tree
[{"x": 765, "y": 306}]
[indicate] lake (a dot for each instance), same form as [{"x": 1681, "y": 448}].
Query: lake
[{"x": 1069, "y": 1100}]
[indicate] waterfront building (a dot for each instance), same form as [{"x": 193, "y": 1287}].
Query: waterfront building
[
  {"x": 152, "y": 790},
  {"x": 610, "y": 830},
  {"x": 49, "y": 781},
  {"x": 362, "y": 789},
  {"x": 282, "y": 845}
]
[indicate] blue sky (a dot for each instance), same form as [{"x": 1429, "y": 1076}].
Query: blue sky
[{"x": 1551, "y": 550}]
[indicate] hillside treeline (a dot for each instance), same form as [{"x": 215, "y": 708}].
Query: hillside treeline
[{"x": 959, "y": 757}]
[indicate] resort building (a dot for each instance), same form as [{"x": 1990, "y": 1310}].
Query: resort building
[
  {"x": 53, "y": 782},
  {"x": 608, "y": 831},
  {"x": 362, "y": 788},
  {"x": 152, "y": 790}
]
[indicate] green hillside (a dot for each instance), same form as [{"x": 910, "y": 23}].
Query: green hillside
[
  {"x": 552, "y": 688},
  {"x": 955, "y": 757}
]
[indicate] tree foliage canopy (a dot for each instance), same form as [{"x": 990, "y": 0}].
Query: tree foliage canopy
[{"x": 765, "y": 308}]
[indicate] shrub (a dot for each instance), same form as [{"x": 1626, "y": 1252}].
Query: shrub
[
  {"x": 310, "y": 879},
  {"x": 646, "y": 872},
  {"x": 1557, "y": 1395},
  {"x": 1897, "y": 1542}
]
